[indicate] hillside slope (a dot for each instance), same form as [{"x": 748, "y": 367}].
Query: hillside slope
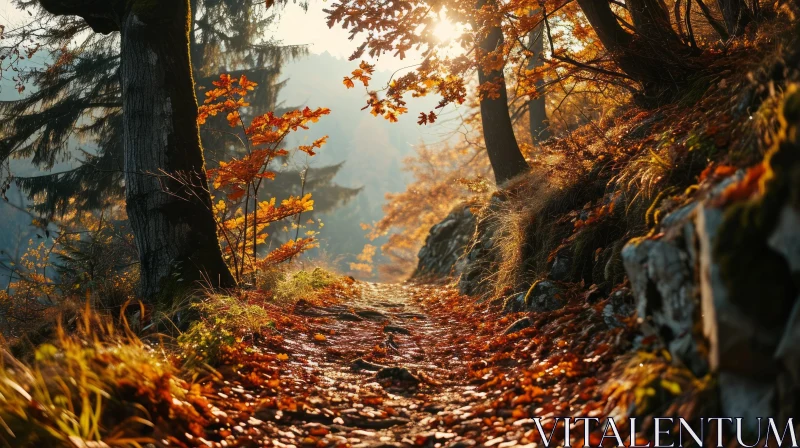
[{"x": 685, "y": 217}]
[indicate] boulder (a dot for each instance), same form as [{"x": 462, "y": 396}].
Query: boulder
[
  {"x": 515, "y": 304},
  {"x": 562, "y": 266},
  {"x": 544, "y": 295},
  {"x": 446, "y": 244},
  {"x": 661, "y": 272},
  {"x": 718, "y": 283},
  {"x": 620, "y": 303}
]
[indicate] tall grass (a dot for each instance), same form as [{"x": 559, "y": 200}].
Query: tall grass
[{"x": 95, "y": 385}]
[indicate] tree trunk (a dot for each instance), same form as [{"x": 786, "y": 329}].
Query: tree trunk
[
  {"x": 498, "y": 133},
  {"x": 166, "y": 191},
  {"x": 168, "y": 202},
  {"x": 537, "y": 111},
  {"x": 654, "y": 56},
  {"x": 651, "y": 20},
  {"x": 736, "y": 15}
]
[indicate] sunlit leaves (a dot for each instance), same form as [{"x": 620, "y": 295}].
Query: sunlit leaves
[
  {"x": 364, "y": 263},
  {"x": 363, "y": 74},
  {"x": 242, "y": 221},
  {"x": 309, "y": 149}
]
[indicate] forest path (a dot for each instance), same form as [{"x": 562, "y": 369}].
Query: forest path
[{"x": 386, "y": 373}]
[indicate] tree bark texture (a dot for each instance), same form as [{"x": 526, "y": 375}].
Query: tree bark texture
[
  {"x": 654, "y": 55},
  {"x": 498, "y": 133},
  {"x": 167, "y": 196},
  {"x": 537, "y": 107}
]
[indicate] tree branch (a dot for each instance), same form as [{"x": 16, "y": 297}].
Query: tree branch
[{"x": 98, "y": 14}]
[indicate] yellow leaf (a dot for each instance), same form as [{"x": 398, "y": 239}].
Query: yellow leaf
[
  {"x": 282, "y": 357},
  {"x": 671, "y": 386},
  {"x": 320, "y": 337}
]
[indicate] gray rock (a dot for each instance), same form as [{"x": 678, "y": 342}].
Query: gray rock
[
  {"x": 561, "y": 267},
  {"x": 445, "y": 245},
  {"x": 515, "y": 304},
  {"x": 737, "y": 343},
  {"x": 785, "y": 239},
  {"x": 679, "y": 291},
  {"x": 544, "y": 295},
  {"x": 662, "y": 274},
  {"x": 620, "y": 304}
]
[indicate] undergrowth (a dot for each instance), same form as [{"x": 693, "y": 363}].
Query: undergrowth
[
  {"x": 617, "y": 179},
  {"x": 303, "y": 284},
  {"x": 97, "y": 383}
]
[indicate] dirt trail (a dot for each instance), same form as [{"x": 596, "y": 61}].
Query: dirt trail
[
  {"x": 385, "y": 374},
  {"x": 407, "y": 365}
]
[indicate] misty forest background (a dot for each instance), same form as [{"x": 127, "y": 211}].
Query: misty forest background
[{"x": 366, "y": 152}]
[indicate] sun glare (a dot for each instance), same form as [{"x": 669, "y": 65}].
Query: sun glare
[{"x": 447, "y": 30}]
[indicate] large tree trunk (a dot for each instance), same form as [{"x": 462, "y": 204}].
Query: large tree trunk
[
  {"x": 498, "y": 133},
  {"x": 168, "y": 202},
  {"x": 537, "y": 111},
  {"x": 654, "y": 56},
  {"x": 167, "y": 196}
]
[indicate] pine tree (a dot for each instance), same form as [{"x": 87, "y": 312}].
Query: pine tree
[{"x": 78, "y": 98}]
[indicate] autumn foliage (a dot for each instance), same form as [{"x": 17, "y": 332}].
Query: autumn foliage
[{"x": 243, "y": 216}]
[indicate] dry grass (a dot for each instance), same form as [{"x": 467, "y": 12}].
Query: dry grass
[
  {"x": 92, "y": 382},
  {"x": 95, "y": 385},
  {"x": 303, "y": 284},
  {"x": 521, "y": 213}
]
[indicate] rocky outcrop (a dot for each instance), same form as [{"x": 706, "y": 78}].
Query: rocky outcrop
[
  {"x": 460, "y": 247},
  {"x": 480, "y": 260},
  {"x": 720, "y": 283},
  {"x": 445, "y": 245}
]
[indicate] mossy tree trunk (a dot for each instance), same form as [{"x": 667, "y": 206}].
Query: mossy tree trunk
[
  {"x": 498, "y": 133},
  {"x": 167, "y": 195}
]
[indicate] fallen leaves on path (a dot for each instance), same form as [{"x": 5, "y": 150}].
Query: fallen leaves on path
[{"x": 422, "y": 366}]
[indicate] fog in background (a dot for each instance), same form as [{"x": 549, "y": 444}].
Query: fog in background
[{"x": 371, "y": 148}]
